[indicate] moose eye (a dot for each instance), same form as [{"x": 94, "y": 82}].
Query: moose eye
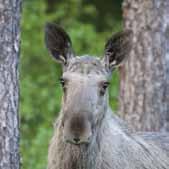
[
  {"x": 104, "y": 86},
  {"x": 62, "y": 81}
]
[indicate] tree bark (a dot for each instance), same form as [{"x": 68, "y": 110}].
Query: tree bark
[
  {"x": 144, "y": 84},
  {"x": 9, "y": 90}
]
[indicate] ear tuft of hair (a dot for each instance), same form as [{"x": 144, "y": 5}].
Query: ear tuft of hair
[
  {"x": 117, "y": 49},
  {"x": 58, "y": 42}
]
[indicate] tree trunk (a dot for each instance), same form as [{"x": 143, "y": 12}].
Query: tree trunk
[
  {"x": 144, "y": 85},
  {"x": 9, "y": 57}
]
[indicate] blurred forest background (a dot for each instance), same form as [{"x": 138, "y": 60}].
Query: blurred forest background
[{"x": 89, "y": 24}]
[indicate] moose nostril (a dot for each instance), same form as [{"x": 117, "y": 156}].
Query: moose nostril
[{"x": 76, "y": 140}]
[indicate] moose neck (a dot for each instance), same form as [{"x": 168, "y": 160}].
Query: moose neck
[{"x": 80, "y": 156}]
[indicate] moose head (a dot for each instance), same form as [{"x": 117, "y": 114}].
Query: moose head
[{"x": 84, "y": 81}]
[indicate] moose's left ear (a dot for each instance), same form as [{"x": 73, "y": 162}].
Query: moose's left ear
[
  {"x": 58, "y": 43},
  {"x": 117, "y": 49}
]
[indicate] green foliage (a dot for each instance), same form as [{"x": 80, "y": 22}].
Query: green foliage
[{"x": 89, "y": 25}]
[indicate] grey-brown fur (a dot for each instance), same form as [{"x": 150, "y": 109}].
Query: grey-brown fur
[
  {"x": 112, "y": 148},
  {"x": 104, "y": 140}
]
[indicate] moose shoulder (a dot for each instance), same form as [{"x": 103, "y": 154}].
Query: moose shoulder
[{"x": 87, "y": 134}]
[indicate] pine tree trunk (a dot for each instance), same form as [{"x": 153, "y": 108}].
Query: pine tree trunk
[
  {"x": 144, "y": 85},
  {"x": 9, "y": 92}
]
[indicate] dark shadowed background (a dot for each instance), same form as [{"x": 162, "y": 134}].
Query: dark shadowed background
[{"x": 89, "y": 24}]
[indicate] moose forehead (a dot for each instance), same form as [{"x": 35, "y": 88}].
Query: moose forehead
[{"x": 86, "y": 65}]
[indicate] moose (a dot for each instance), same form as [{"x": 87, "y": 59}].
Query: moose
[{"x": 87, "y": 134}]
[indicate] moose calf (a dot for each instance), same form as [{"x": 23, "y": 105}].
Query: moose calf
[{"x": 87, "y": 135}]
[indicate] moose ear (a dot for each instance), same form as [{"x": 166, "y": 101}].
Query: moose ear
[
  {"x": 117, "y": 49},
  {"x": 58, "y": 43}
]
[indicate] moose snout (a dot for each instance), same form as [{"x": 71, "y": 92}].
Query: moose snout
[{"x": 77, "y": 130}]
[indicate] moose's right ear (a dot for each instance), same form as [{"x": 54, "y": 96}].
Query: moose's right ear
[
  {"x": 58, "y": 43},
  {"x": 117, "y": 49}
]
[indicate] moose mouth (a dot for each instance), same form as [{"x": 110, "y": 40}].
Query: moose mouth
[{"x": 78, "y": 141}]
